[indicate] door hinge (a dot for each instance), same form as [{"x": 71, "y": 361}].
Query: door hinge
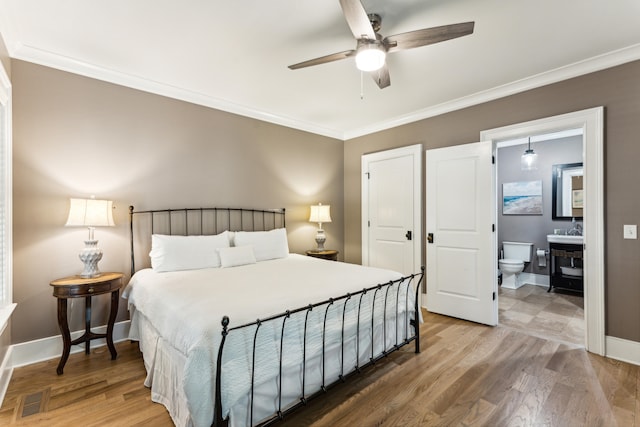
[
  {"x": 493, "y": 228},
  {"x": 494, "y": 296},
  {"x": 368, "y": 223},
  {"x": 493, "y": 160}
]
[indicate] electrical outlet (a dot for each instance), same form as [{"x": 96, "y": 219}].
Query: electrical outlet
[{"x": 630, "y": 231}]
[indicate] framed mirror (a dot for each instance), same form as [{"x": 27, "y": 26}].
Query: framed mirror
[{"x": 567, "y": 191}]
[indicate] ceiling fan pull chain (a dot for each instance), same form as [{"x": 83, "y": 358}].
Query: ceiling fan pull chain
[{"x": 361, "y": 84}]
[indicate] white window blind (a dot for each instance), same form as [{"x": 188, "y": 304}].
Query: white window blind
[
  {"x": 5, "y": 191},
  {"x": 3, "y": 208}
]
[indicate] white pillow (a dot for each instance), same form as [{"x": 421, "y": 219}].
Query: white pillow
[
  {"x": 266, "y": 244},
  {"x": 238, "y": 255},
  {"x": 173, "y": 253}
]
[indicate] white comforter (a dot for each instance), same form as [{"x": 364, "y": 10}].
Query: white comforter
[{"x": 186, "y": 307}]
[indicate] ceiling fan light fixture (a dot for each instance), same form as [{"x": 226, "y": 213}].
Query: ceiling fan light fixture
[{"x": 370, "y": 57}]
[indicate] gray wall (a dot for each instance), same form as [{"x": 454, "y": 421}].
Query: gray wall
[
  {"x": 618, "y": 90},
  {"x": 75, "y": 136},
  {"x": 534, "y": 228}
]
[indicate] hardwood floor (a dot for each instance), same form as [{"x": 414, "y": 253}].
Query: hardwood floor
[
  {"x": 93, "y": 391},
  {"x": 466, "y": 375},
  {"x": 469, "y": 374}
]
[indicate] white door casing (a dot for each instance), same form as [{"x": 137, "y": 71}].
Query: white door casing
[
  {"x": 461, "y": 277},
  {"x": 391, "y": 209},
  {"x": 591, "y": 121}
]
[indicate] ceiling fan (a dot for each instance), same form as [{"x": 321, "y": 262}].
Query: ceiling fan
[{"x": 371, "y": 48}]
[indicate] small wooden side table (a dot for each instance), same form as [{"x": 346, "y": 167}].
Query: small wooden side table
[
  {"x": 78, "y": 287},
  {"x": 329, "y": 254}
]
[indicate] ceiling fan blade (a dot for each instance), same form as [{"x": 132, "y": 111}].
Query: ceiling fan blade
[
  {"x": 357, "y": 19},
  {"x": 427, "y": 36},
  {"x": 381, "y": 77},
  {"x": 323, "y": 59}
]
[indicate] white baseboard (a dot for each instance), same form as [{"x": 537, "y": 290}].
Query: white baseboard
[
  {"x": 6, "y": 370},
  {"x": 43, "y": 349},
  {"x": 534, "y": 279},
  {"x": 623, "y": 350}
]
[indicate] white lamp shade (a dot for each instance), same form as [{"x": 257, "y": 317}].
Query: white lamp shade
[
  {"x": 320, "y": 213},
  {"x": 90, "y": 213}
]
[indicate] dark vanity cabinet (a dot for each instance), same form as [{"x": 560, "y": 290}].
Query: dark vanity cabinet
[{"x": 566, "y": 261}]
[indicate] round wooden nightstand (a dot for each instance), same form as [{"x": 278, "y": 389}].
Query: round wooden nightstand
[
  {"x": 328, "y": 254},
  {"x": 78, "y": 287}
]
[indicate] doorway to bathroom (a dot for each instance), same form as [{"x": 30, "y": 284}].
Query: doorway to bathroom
[
  {"x": 530, "y": 208},
  {"x": 591, "y": 121}
]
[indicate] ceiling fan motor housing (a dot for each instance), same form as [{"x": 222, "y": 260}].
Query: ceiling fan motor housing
[{"x": 376, "y": 22}]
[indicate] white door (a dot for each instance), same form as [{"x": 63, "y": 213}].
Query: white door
[
  {"x": 461, "y": 260},
  {"x": 391, "y": 212}
]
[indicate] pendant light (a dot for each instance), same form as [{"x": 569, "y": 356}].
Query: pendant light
[{"x": 529, "y": 160}]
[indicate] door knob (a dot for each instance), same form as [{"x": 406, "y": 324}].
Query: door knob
[
  {"x": 430, "y": 237},
  {"x": 408, "y": 235}
]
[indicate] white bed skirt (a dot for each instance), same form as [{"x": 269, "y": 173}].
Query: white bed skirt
[{"x": 165, "y": 367}]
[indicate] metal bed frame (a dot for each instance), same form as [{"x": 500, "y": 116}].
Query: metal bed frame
[{"x": 202, "y": 221}]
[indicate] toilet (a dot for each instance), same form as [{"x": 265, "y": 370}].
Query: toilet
[{"x": 515, "y": 254}]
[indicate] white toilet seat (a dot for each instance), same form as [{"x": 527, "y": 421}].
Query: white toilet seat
[
  {"x": 509, "y": 267},
  {"x": 508, "y": 261}
]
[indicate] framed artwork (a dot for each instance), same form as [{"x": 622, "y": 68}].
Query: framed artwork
[
  {"x": 522, "y": 198},
  {"x": 577, "y": 199}
]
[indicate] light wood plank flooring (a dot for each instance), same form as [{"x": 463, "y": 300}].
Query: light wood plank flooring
[
  {"x": 466, "y": 375},
  {"x": 93, "y": 391}
]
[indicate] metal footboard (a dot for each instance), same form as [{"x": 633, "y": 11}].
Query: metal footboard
[{"x": 406, "y": 324}]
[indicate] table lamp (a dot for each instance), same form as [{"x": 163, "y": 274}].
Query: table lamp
[
  {"x": 320, "y": 213},
  {"x": 90, "y": 213}
]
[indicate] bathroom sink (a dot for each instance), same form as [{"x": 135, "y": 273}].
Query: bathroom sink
[
  {"x": 571, "y": 271},
  {"x": 559, "y": 238}
]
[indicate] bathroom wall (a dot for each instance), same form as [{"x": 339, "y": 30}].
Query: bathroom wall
[{"x": 534, "y": 228}]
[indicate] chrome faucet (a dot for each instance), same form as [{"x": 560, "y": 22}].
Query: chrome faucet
[{"x": 576, "y": 228}]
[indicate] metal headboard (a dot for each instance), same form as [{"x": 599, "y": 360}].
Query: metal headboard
[{"x": 198, "y": 222}]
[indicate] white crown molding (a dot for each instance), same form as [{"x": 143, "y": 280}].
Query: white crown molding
[
  {"x": 597, "y": 63},
  {"x": 71, "y": 65},
  {"x": 50, "y": 59}
]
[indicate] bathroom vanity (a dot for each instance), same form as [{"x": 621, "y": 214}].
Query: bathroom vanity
[{"x": 566, "y": 266}]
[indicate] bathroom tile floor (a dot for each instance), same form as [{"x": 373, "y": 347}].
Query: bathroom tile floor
[{"x": 557, "y": 316}]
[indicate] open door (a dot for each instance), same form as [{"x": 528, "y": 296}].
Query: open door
[{"x": 461, "y": 259}]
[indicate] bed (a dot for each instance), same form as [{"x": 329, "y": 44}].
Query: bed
[{"x": 257, "y": 332}]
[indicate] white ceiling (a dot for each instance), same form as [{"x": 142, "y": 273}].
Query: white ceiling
[{"x": 233, "y": 55}]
